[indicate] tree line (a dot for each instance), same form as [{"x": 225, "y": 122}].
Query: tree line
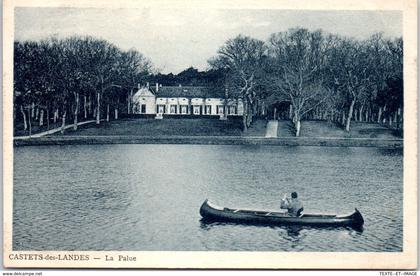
[
  {"x": 315, "y": 74},
  {"x": 190, "y": 77},
  {"x": 321, "y": 76},
  {"x": 74, "y": 78}
]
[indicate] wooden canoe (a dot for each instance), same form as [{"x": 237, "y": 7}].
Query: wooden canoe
[{"x": 212, "y": 212}]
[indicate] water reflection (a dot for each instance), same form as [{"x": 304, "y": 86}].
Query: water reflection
[
  {"x": 292, "y": 231},
  {"x": 391, "y": 152}
]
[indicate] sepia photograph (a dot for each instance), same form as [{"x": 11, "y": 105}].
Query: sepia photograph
[{"x": 210, "y": 135}]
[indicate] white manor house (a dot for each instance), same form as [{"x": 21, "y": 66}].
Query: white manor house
[{"x": 184, "y": 100}]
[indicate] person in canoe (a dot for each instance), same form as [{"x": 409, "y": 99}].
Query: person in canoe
[{"x": 293, "y": 205}]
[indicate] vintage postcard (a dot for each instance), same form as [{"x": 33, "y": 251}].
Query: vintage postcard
[{"x": 210, "y": 134}]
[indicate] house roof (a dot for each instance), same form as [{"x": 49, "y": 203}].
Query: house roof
[
  {"x": 189, "y": 92},
  {"x": 144, "y": 92}
]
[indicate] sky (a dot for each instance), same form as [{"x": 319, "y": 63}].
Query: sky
[{"x": 175, "y": 39}]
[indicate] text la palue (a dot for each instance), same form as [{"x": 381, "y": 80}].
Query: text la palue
[{"x": 120, "y": 258}]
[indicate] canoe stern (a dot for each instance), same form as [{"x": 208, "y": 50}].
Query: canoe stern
[{"x": 357, "y": 218}]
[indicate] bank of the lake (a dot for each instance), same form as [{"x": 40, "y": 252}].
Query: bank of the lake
[
  {"x": 210, "y": 131},
  {"x": 211, "y": 140}
]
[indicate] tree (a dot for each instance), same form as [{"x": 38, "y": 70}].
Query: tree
[
  {"x": 133, "y": 68},
  {"x": 351, "y": 74},
  {"x": 26, "y": 82},
  {"x": 297, "y": 61},
  {"x": 55, "y": 74},
  {"x": 388, "y": 56},
  {"x": 242, "y": 60}
]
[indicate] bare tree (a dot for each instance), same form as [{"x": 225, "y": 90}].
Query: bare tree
[
  {"x": 297, "y": 63},
  {"x": 351, "y": 72},
  {"x": 241, "y": 59},
  {"x": 385, "y": 60},
  {"x": 133, "y": 68}
]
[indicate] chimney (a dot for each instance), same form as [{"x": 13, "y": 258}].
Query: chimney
[
  {"x": 138, "y": 86},
  {"x": 147, "y": 85},
  {"x": 157, "y": 87}
]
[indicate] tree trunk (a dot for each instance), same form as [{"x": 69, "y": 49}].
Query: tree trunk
[
  {"x": 76, "y": 111},
  {"x": 55, "y": 115},
  {"x": 90, "y": 104},
  {"x": 48, "y": 117},
  {"x": 379, "y": 115},
  {"x": 290, "y": 111},
  {"x": 129, "y": 97},
  {"x": 244, "y": 116},
  {"x": 131, "y": 102},
  {"x": 401, "y": 119},
  {"x": 128, "y": 104},
  {"x": 107, "y": 113},
  {"x": 225, "y": 108},
  {"x": 98, "y": 109},
  {"x": 350, "y": 115},
  {"x": 116, "y": 113},
  {"x": 30, "y": 123},
  {"x": 297, "y": 127},
  {"x": 25, "y": 125},
  {"x": 36, "y": 113},
  {"x": 250, "y": 114},
  {"x": 343, "y": 118},
  {"x": 296, "y": 121},
  {"x": 361, "y": 114},
  {"x": 249, "y": 119},
  {"x": 63, "y": 122},
  {"x": 41, "y": 118},
  {"x": 384, "y": 119},
  {"x": 85, "y": 107},
  {"x": 33, "y": 110}
]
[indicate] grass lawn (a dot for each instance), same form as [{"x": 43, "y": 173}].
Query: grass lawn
[
  {"x": 170, "y": 126},
  {"x": 326, "y": 129},
  {"x": 231, "y": 127},
  {"x": 257, "y": 128},
  {"x": 19, "y": 129}
]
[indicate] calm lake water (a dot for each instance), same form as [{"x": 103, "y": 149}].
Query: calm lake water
[{"x": 147, "y": 197}]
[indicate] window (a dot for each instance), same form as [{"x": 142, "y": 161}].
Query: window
[
  {"x": 220, "y": 109},
  {"x": 161, "y": 109},
  {"x": 196, "y": 110},
  {"x": 208, "y": 109},
  {"x": 143, "y": 108},
  {"x": 232, "y": 110},
  {"x": 184, "y": 109},
  {"x": 172, "y": 109}
]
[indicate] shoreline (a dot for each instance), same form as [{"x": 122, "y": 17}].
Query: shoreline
[{"x": 211, "y": 140}]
